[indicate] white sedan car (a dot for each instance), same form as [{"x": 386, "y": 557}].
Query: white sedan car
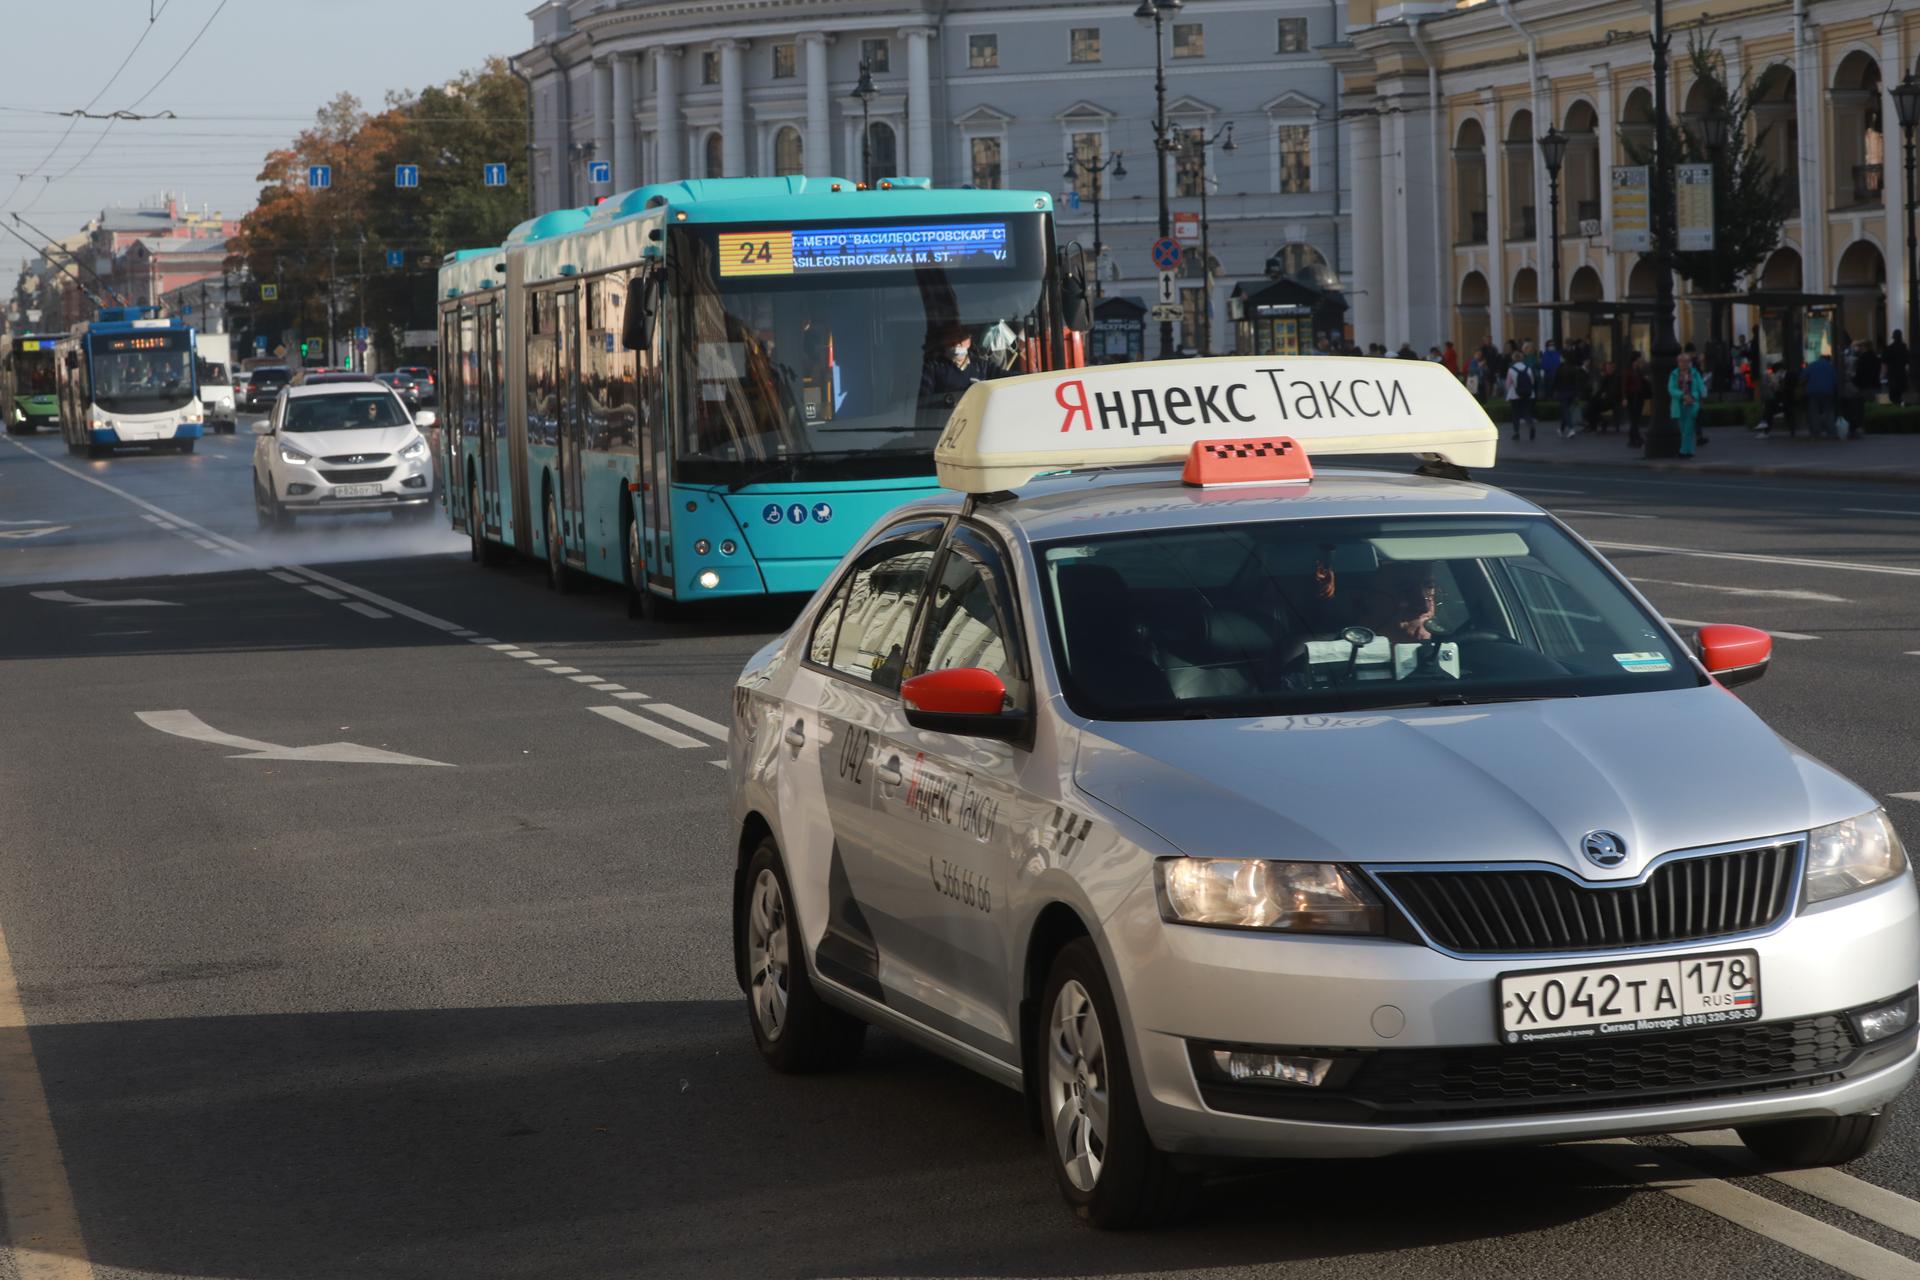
[{"x": 341, "y": 446}]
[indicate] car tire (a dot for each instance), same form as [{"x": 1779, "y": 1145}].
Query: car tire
[
  {"x": 796, "y": 1032},
  {"x": 1815, "y": 1142},
  {"x": 1109, "y": 1171},
  {"x": 559, "y": 577}
]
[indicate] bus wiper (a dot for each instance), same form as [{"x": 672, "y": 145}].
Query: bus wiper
[{"x": 769, "y": 472}]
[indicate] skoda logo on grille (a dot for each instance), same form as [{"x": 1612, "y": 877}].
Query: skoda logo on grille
[{"x": 1603, "y": 848}]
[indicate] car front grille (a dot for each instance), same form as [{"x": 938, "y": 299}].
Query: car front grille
[
  {"x": 1521, "y": 911},
  {"x": 355, "y": 459},
  {"x": 358, "y": 475}
]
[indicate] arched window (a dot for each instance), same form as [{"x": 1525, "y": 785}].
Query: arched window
[
  {"x": 882, "y": 154},
  {"x": 787, "y": 152},
  {"x": 716, "y": 156},
  {"x": 1470, "y": 184}
]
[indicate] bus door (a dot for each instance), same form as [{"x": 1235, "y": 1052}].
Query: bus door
[
  {"x": 486, "y": 416},
  {"x": 656, "y": 410},
  {"x": 572, "y": 426}
]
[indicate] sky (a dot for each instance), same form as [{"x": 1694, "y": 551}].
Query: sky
[{"x": 250, "y": 75}]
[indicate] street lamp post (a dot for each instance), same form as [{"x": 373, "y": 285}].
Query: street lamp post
[
  {"x": 1204, "y": 146},
  {"x": 1094, "y": 169},
  {"x": 1156, "y": 12},
  {"x": 863, "y": 93},
  {"x": 1553, "y": 149},
  {"x": 1663, "y": 437},
  {"x": 1906, "y": 102}
]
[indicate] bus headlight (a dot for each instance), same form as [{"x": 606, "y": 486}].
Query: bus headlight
[{"x": 709, "y": 579}]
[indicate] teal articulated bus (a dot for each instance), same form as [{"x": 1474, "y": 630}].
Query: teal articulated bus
[{"x": 710, "y": 389}]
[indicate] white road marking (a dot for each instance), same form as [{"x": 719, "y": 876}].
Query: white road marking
[
  {"x": 531, "y": 660},
  {"x": 1771, "y": 593},
  {"x": 1803, "y": 562},
  {"x": 1880, "y": 511},
  {"x": 323, "y": 592},
  {"x": 718, "y": 764},
  {"x": 185, "y": 724},
  {"x": 631, "y": 697},
  {"x": 594, "y": 680},
  {"x": 1611, "y": 515},
  {"x": 465, "y": 634},
  {"x": 88, "y": 602},
  {"x": 373, "y": 598},
  {"x": 1855, "y": 1195},
  {"x": 1662, "y": 1171},
  {"x": 1906, "y": 795},
  {"x": 1777, "y": 635},
  {"x": 640, "y": 724},
  {"x": 366, "y": 610},
  {"x": 284, "y": 576},
  {"x": 210, "y": 546},
  {"x": 494, "y": 644},
  {"x": 21, "y": 535},
  {"x": 20, "y": 522},
  {"x": 488, "y": 641},
  {"x": 608, "y": 687},
  {"x": 559, "y": 671},
  {"x": 689, "y": 719}
]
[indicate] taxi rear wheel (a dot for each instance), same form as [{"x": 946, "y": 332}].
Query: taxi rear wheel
[
  {"x": 793, "y": 1028},
  {"x": 1815, "y": 1142},
  {"x": 1102, "y": 1156}
]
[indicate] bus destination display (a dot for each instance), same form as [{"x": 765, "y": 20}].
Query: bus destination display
[
  {"x": 104, "y": 343},
  {"x": 833, "y": 249}
]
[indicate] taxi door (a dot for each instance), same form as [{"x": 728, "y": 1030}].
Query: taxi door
[
  {"x": 841, "y": 700},
  {"x": 943, "y": 852}
]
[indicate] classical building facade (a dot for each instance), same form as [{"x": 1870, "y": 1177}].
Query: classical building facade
[
  {"x": 968, "y": 92},
  {"x": 1451, "y": 232}
]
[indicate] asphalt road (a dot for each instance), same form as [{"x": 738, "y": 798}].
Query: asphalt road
[{"x": 454, "y": 999}]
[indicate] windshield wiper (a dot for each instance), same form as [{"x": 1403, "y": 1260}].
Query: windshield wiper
[
  {"x": 761, "y": 476},
  {"x": 1470, "y": 700}
]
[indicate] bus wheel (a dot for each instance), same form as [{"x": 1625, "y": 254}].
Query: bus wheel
[
  {"x": 184, "y": 446},
  {"x": 557, "y": 573}
]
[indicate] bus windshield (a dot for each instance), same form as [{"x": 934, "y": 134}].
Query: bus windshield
[
  {"x": 814, "y": 354},
  {"x": 142, "y": 372},
  {"x": 33, "y": 372}
]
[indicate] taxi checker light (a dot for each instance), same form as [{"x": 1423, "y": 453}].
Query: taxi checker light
[
  {"x": 1005, "y": 432},
  {"x": 1275, "y": 461}
]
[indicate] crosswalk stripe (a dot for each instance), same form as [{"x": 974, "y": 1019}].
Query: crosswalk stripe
[
  {"x": 640, "y": 724},
  {"x": 1855, "y": 1195},
  {"x": 666, "y": 710}
]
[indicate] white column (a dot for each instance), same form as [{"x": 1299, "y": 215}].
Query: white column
[
  {"x": 603, "y": 112},
  {"x": 819, "y": 146},
  {"x": 1816, "y": 124},
  {"x": 626, "y": 173},
  {"x": 1544, "y": 117},
  {"x": 669, "y": 148},
  {"x": 919, "y": 158},
  {"x": 1393, "y": 241},
  {"x": 1604, "y": 139},
  {"x": 733, "y": 108},
  {"x": 1363, "y": 144},
  {"x": 1895, "y": 193},
  {"x": 1497, "y": 282}
]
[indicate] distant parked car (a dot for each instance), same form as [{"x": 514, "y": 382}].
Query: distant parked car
[
  {"x": 429, "y": 390},
  {"x": 261, "y": 385}
]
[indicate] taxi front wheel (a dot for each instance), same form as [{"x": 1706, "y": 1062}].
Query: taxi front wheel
[
  {"x": 1102, "y": 1156},
  {"x": 794, "y": 1030},
  {"x": 1817, "y": 1142}
]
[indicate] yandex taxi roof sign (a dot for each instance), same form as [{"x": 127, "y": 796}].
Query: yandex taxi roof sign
[{"x": 1005, "y": 432}]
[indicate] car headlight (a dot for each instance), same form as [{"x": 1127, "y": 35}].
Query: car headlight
[
  {"x": 1849, "y": 856},
  {"x": 415, "y": 449},
  {"x": 293, "y": 457},
  {"x": 1260, "y": 893}
]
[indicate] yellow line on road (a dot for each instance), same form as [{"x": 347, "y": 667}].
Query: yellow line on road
[{"x": 43, "y": 1228}]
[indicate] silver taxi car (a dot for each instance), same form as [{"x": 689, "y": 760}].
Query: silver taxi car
[{"x": 1230, "y": 804}]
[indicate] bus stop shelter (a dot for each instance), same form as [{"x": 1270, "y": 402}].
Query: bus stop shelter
[{"x": 1626, "y": 324}]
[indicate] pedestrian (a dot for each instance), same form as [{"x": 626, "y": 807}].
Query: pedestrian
[
  {"x": 1774, "y": 388},
  {"x": 1566, "y": 391},
  {"x": 1451, "y": 358},
  {"x": 1521, "y": 389},
  {"x": 1548, "y": 368},
  {"x": 1633, "y": 388},
  {"x": 1687, "y": 389},
  {"x": 1603, "y": 409},
  {"x": 1897, "y": 368},
  {"x": 1822, "y": 383}
]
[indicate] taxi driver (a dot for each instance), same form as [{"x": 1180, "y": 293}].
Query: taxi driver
[{"x": 1400, "y": 603}]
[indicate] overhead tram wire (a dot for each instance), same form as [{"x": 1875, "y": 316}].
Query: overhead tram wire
[{"x": 175, "y": 65}]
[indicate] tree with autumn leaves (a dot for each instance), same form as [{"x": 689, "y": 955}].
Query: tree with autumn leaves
[{"x": 299, "y": 239}]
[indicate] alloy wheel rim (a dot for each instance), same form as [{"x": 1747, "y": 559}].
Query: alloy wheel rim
[
  {"x": 767, "y": 954},
  {"x": 1077, "y": 1085}
]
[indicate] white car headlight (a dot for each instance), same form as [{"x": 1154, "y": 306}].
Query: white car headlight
[
  {"x": 1260, "y": 893},
  {"x": 293, "y": 457},
  {"x": 415, "y": 449},
  {"x": 1851, "y": 855}
]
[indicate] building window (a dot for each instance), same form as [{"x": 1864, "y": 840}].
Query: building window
[
  {"x": 1296, "y": 158},
  {"x": 1086, "y": 160},
  {"x": 1189, "y": 40},
  {"x": 1293, "y": 35},
  {"x": 1083, "y": 44},
  {"x": 788, "y": 153},
  {"x": 881, "y": 154},
  {"x": 983, "y": 51},
  {"x": 1190, "y": 160},
  {"x": 783, "y": 62},
  {"x": 710, "y": 67},
  {"x": 875, "y": 54},
  {"x": 716, "y": 156},
  {"x": 986, "y": 163}
]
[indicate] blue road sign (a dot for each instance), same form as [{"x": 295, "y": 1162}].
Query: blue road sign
[
  {"x": 1166, "y": 253},
  {"x": 494, "y": 175},
  {"x": 1073, "y": 200},
  {"x": 319, "y": 176},
  {"x": 187, "y": 310},
  {"x": 259, "y": 342},
  {"x": 396, "y": 257},
  {"x": 600, "y": 173},
  {"x": 361, "y": 333},
  {"x": 406, "y": 175}
]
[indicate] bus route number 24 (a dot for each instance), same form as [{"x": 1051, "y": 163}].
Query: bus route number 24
[{"x": 751, "y": 252}]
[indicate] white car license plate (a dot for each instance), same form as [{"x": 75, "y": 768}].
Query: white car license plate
[
  {"x": 356, "y": 491},
  {"x": 1638, "y": 996}
]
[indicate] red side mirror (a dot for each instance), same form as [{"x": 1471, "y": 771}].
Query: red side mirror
[
  {"x": 1734, "y": 655},
  {"x": 957, "y": 691}
]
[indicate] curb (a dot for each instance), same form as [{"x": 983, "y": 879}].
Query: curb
[{"x": 1911, "y": 477}]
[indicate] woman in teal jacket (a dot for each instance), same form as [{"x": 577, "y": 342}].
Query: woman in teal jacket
[{"x": 1687, "y": 389}]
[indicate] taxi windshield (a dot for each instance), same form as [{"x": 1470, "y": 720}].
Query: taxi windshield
[{"x": 1309, "y": 616}]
